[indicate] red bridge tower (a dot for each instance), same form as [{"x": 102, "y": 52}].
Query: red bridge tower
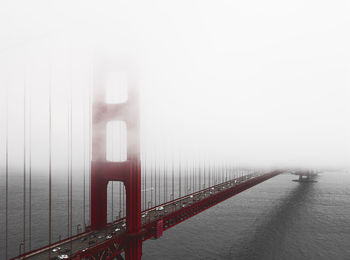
[{"x": 127, "y": 172}]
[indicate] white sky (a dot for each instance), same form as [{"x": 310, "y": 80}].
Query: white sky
[{"x": 257, "y": 82}]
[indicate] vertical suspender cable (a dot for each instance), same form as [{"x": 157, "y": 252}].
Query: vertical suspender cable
[
  {"x": 179, "y": 178},
  {"x": 193, "y": 177},
  {"x": 24, "y": 166},
  {"x": 142, "y": 185},
  {"x": 84, "y": 159},
  {"x": 196, "y": 175},
  {"x": 71, "y": 159},
  {"x": 50, "y": 158},
  {"x": 186, "y": 178},
  {"x": 223, "y": 171},
  {"x": 143, "y": 164},
  {"x": 90, "y": 134},
  {"x": 120, "y": 183},
  {"x": 190, "y": 178},
  {"x": 232, "y": 170},
  {"x": 164, "y": 183},
  {"x": 209, "y": 177},
  {"x": 229, "y": 171},
  {"x": 121, "y": 158},
  {"x": 159, "y": 182},
  {"x": 68, "y": 168},
  {"x": 151, "y": 184},
  {"x": 198, "y": 165},
  {"x": 204, "y": 174},
  {"x": 113, "y": 158},
  {"x": 189, "y": 174},
  {"x": 146, "y": 172},
  {"x": 155, "y": 182},
  {"x": 214, "y": 173},
  {"x": 112, "y": 200},
  {"x": 199, "y": 175},
  {"x": 194, "y": 172},
  {"x": 123, "y": 201},
  {"x": 30, "y": 171},
  {"x": 172, "y": 179},
  {"x": 220, "y": 173},
  {"x": 7, "y": 176},
  {"x": 166, "y": 166},
  {"x": 143, "y": 176},
  {"x": 120, "y": 200}
]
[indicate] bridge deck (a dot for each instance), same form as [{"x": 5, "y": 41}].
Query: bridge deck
[{"x": 171, "y": 213}]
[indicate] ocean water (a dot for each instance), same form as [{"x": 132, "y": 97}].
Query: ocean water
[{"x": 277, "y": 219}]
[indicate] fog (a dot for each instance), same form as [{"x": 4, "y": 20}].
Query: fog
[{"x": 258, "y": 83}]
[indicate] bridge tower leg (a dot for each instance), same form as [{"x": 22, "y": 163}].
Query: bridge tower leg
[{"x": 128, "y": 172}]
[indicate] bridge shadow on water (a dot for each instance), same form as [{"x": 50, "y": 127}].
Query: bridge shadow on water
[{"x": 269, "y": 239}]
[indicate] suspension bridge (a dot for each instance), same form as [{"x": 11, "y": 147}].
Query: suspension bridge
[{"x": 152, "y": 196}]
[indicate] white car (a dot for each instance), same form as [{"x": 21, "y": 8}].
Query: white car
[
  {"x": 62, "y": 257},
  {"x": 160, "y": 208},
  {"x": 56, "y": 249}
]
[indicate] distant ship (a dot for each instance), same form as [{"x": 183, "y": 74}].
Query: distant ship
[{"x": 305, "y": 175}]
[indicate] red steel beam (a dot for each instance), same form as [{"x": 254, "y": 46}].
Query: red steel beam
[{"x": 172, "y": 219}]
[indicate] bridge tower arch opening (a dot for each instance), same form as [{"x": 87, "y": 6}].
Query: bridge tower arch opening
[{"x": 116, "y": 151}]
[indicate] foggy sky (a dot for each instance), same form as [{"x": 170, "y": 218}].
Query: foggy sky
[{"x": 255, "y": 82}]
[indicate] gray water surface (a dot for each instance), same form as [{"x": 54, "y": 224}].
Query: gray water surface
[{"x": 278, "y": 219}]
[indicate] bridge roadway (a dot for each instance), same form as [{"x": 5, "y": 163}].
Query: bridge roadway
[{"x": 86, "y": 241}]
